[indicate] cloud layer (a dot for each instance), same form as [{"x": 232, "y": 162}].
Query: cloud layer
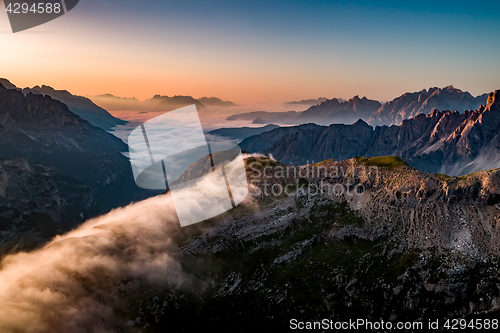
[{"x": 57, "y": 288}]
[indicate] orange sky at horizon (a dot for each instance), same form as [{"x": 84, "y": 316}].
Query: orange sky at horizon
[{"x": 90, "y": 56}]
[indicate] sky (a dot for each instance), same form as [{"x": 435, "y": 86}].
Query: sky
[{"x": 259, "y": 51}]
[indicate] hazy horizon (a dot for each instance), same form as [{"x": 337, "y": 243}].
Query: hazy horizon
[{"x": 259, "y": 52}]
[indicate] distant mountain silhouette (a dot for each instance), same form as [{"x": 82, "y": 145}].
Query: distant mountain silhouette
[
  {"x": 79, "y": 105},
  {"x": 7, "y": 84},
  {"x": 166, "y": 103},
  {"x": 327, "y": 112},
  {"x": 338, "y": 111},
  {"x": 335, "y": 111},
  {"x": 410, "y": 105},
  {"x": 156, "y": 103},
  {"x": 446, "y": 142},
  {"x": 310, "y": 102},
  {"x": 215, "y": 101}
]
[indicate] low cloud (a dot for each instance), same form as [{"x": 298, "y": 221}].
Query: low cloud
[{"x": 54, "y": 289}]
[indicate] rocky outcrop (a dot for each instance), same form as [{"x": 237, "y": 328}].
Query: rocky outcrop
[{"x": 430, "y": 211}]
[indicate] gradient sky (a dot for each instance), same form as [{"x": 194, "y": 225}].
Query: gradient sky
[{"x": 259, "y": 51}]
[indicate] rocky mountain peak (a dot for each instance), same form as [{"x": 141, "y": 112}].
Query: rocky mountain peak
[
  {"x": 7, "y": 84},
  {"x": 493, "y": 100},
  {"x": 361, "y": 123},
  {"x": 434, "y": 113},
  {"x": 409, "y": 105}
]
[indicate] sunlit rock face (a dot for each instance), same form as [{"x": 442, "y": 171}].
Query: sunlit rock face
[{"x": 410, "y": 105}]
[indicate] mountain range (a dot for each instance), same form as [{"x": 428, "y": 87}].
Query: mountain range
[
  {"x": 326, "y": 112},
  {"x": 310, "y": 102},
  {"x": 410, "y": 105},
  {"x": 406, "y": 106},
  {"x": 335, "y": 111},
  {"x": 81, "y": 106},
  {"x": 447, "y": 142},
  {"x": 156, "y": 103}
]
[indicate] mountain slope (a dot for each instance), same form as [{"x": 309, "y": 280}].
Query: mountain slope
[
  {"x": 410, "y": 247},
  {"x": 265, "y": 117},
  {"x": 81, "y": 106},
  {"x": 241, "y": 133},
  {"x": 262, "y": 142},
  {"x": 37, "y": 202},
  {"x": 49, "y": 125},
  {"x": 44, "y": 131},
  {"x": 413, "y": 247},
  {"x": 442, "y": 142},
  {"x": 410, "y": 105}
]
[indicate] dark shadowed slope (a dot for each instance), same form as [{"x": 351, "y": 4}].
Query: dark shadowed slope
[
  {"x": 335, "y": 111},
  {"x": 81, "y": 106},
  {"x": 42, "y": 131}
]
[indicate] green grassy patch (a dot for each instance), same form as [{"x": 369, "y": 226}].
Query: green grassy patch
[
  {"x": 443, "y": 177},
  {"x": 388, "y": 162}
]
